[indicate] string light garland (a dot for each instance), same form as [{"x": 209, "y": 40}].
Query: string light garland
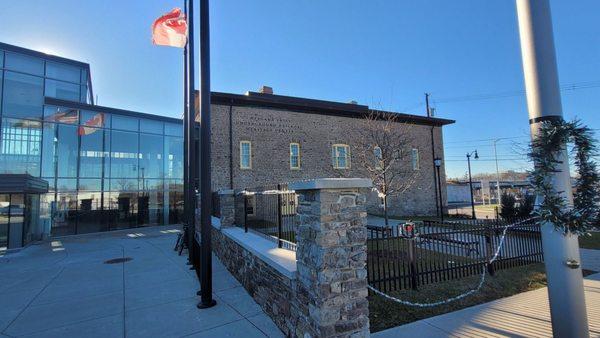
[{"x": 544, "y": 152}]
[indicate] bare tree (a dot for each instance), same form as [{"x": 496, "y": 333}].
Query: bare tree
[{"x": 384, "y": 150}]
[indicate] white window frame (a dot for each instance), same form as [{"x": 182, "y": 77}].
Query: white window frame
[
  {"x": 292, "y": 167},
  {"x": 335, "y": 156},
  {"x": 242, "y": 143},
  {"x": 378, "y": 154},
  {"x": 414, "y": 157}
]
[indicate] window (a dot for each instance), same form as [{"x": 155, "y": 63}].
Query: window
[
  {"x": 124, "y": 123},
  {"x": 173, "y": 129},
  {"x": 61, "y": 71},
  {"x": 245, "y": 155},
  {"x": 62, "y": 90},
  {"x": 23, "y": 95},
  {"x": 378, "y": 157},
  {"x": 61, "y": 115},
  {"x": 92, "y": 153},
  {"x": 66, "y": 150},
  {"x": 415, "y": 159},
  {"x": 151, "y": 126},
  {"x": 340, "y": 154},
  {"x": 20, "y": 144},
  {"x": 294, "y": 156},
  {"x": 151, "y": 156},
  {"x": 123, "y": 155},
  {"x": 173, "y": 157},
  {"x": 25, "y": 64}
]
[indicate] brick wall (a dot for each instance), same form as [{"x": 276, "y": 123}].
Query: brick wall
[{"x": 272, "y": 130}]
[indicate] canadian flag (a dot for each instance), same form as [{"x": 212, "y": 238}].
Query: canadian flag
[
  {"x": 170, "y": 29},
  {"x": 90, "y": 125}
]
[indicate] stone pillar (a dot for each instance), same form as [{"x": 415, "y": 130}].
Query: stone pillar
[
  {"x": 331, "y": 255},
  {"x": 227, "y": 207}
]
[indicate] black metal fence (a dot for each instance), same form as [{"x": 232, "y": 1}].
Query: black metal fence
[
  {"x": 402, "y": 258},
  {"x": 270, "y": 211}
]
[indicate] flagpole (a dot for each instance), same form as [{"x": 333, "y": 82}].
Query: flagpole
[
  {"x": 191, "y": 139},
  {"x": 205, "y": 163},
  {"x": 186, "y": 178}
]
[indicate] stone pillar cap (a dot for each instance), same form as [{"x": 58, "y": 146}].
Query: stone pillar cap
[
  {"x": 225, "y": 191},
  {"x": 331, "y": 183}
]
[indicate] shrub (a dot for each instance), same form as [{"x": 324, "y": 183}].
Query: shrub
[
  {"x": 507, "y": 206},
  {"x": 526, "y": 206}
]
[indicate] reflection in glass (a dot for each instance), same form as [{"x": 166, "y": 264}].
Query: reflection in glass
[
  {"x": 23, "y": 95},
  {"x": 151, "y": 126},
  {"x": 150, "y": 202},
  {"x": 91, "y": 216},
  {"x": 95, "y": 119},
  {"x": 61, "y": 115},
  {"x": 62, "y": 90},
  {"x": 175, "y": 198},
  {"x": 124, "y": 154},
  {"x": 49, "y": 143},
  {"x": 61, "y": 71},
  {"x": 151, "y": 156},
  {"x": 173, "y": 157},
  {"x": 4, "y": 217},
  {"x": 64, "y": 214},
  {"x": 123, "y": 210},
  {"x": 67, "y": 150},
  {"x": 124, "y": 123},
  {"x": 20, "y": 147},
  {"x": 92, "y": 153},
  {"x": 174, "y": 129},
  {"x": 24, "y": 63}
]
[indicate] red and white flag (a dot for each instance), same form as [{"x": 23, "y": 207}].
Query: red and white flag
[
  {"x": 91, "y": 125},
  {"x": 170, "y": 29}
]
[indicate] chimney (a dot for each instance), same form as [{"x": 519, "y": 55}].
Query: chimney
[{"x": 266, "y": 90}]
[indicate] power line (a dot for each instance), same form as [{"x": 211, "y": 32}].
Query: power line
[{"x": 514, "y": 93}]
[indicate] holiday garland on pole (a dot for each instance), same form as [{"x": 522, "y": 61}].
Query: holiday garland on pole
[{"x": 545, "y": 153}]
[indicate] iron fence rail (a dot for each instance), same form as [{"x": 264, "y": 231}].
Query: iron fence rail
[
  {"x": 435, "y": 252},
  {"x": 270, "y": 211}
]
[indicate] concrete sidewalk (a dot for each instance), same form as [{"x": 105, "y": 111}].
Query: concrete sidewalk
[
  {"x": 523, "y": 315},
  {"x": 64, "y": 288}
]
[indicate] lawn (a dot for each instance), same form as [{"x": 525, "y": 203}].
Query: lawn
[
  {"x": 384, "y": 314},
  {"x": 590, "y": 242}
]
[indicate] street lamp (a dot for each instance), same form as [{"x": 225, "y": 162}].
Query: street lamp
[
  {"x": 471, "y": 180},
  {"x": 438, "y": 163}
]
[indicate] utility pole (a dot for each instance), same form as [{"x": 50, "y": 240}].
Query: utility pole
[
  {"x": 497, "y": 172},
  {"x": 565, "y": 282},
  {"x": 471, "y": 182},
  {"x": 439, "y": 208}
]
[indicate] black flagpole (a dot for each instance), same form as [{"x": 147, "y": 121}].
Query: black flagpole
[
  {"x": 205, "y": 179},
  {"x": 186, "y": 172},
  {"x": 190, "y": 140}
]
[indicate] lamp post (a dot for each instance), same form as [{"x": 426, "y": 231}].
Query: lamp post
[
  {"x": 471, "y": 180},
  {"x": 438, "y": 163}
]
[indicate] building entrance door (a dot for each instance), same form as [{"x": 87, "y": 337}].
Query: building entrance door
[
  {"x": 12, "y": 210},
  {"x": 4, "y": 220}
]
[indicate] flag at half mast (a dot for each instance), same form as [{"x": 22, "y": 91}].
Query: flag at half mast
[{"x": 170, "y": 29}]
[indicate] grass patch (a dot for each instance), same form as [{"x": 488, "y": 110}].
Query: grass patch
[
  {"x": 590, "y": 242},
  {"x": 384, "y": 314}
]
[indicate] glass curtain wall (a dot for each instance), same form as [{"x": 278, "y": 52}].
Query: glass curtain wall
[{"x": 105, "y": 171}]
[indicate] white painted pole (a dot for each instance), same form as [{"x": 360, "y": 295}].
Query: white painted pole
[{"x": 565, "y": 284}]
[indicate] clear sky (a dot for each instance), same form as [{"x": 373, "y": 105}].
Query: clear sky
[{"x": 386, "y": 54}]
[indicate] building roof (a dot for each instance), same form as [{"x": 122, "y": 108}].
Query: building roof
[{"x": 314, "y": 106}]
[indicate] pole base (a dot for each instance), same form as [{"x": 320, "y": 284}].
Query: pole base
[{"x": 210, "y": 304}]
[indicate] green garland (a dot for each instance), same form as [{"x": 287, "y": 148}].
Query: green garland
[{"x": 545, "y": 151}]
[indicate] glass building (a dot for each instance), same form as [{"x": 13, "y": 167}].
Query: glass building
[{"x": 106, "y": 168}]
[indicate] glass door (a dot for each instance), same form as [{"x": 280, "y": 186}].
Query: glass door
[{"x": 4, "y": 219}]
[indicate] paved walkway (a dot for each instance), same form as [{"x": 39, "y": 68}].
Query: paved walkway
[
  {"x": 64, "y": 289},
  {"x": 523, "y": 315}
]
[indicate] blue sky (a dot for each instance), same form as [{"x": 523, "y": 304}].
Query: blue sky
[{"x": 386, "y": 54}]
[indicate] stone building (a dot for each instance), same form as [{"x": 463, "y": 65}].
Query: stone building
[{"x": 261, "y": 139}]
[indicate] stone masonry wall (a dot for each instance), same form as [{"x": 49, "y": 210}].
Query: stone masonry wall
[
  {"x": 271, "y": 131},
  {"x": 278, "y": 295}
]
